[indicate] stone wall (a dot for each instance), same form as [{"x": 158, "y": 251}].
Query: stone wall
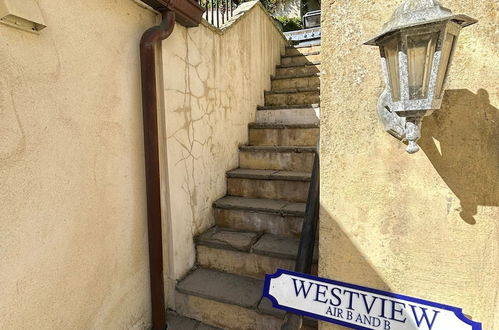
[
  {"x": 214, "y": 81},
  {"x": 424, "y": 225}
]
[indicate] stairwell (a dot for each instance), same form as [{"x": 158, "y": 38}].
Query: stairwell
[{"x": 259, "y": 222}]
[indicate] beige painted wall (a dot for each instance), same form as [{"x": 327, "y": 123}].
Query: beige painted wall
[
  {"x": 213, "y": 82},
  {"x": 425, "y": 225},
  {"x": 73, "y": 236}
]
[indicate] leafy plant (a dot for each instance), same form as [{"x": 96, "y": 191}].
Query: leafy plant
[{"x": 290, "y": 23}]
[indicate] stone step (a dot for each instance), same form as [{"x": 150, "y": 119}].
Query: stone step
[
  {"x": 246, "y": 253},
  {"x": 178, "y": 322},
  {"x": 227, "y": 301},
  {"x": 298, "y": 159},
  {"x": 259, "y": 215},
  {"x": 299, "y": 114},
  {"x": 292, "y": 96},
  {"x": 271, "y": 134},
  {"x": 282, "y": 185},
  {"x": 297, "y": 69},
  {"x": 302, "y": 50},
  {"x": 301, "y": 59},
  {"x": 308, "y": 80}
]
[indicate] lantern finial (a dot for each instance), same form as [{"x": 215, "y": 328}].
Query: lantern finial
[{"x": 418, "y": 12}]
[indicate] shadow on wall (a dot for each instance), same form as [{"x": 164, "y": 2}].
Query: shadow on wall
[
  {"x": 342, "y": 259},
  {"x": 462, "y": 142}
]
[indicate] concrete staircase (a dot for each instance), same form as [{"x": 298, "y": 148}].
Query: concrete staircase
[{"x": 258, "y": 223}]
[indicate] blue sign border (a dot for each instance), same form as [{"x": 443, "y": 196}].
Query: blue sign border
[{"x": 456, "y": 310}]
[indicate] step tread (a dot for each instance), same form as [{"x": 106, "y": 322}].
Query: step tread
[
  {"x": 279, "y": 246},
  {"x": 281, "y": 126},
  {"x": 265, "y": 307},
  {"x": 294, "y": 90},
  {"x": 222, "y": 287},
  {"x": 178, "y": 322},
  {"x": 304, "y": 46},
  {"x": 261, "y": 205},
  {"x": 289, "y": 107},
  {"x": 231, "y": 289},
  {"x": 283, "y": 66},
  {"x": 295, "y": 76},
  {"x": 226, "y": 238},
  {"x": 302, "y": 54},
  {"x": 276, "y": 246},
  {"x": 244, "y": 173},
  {"x": 298, "y": 149}
]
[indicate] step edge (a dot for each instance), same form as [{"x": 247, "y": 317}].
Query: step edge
[
  {"x": 296, "y": 76},
  {"x": 213, "y": 243},
  {"x": 284, "y": 66},
  {"x": 278, "y": 149},
  {"x": 318, "y": 52},
  {"x": 310, "y": 322},
  {"x": 304, "y": 46},
  {"x": 307, "y": 320},
  {"x": 279, "y": 211},
  {"x": 312, "y": 106},
  {"x": 258, "y": 210},
  {"x": 293, "y": 91},
  {"x": 211, "y": 297},
  {"x": 250, "y": 251},
  {"x": 264, "y": 125},
  {"x": 273, "y": 177},
  {"x": 172, "y": 313},
  {"x": 208, "y": 297}
]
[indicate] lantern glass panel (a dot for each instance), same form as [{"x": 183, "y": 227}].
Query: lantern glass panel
[
  {"x": 391, "y": 49},
  {"x": 420, "y": 51},
  {"x": 445, "y": 61}
]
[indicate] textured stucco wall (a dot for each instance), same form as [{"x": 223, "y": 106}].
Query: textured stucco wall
[
  {"x": 213, "y": 82},
  {"x": 425, "y": 225},
  {"x": 73, "y": 239}
]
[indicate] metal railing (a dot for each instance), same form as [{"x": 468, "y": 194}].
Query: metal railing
[
  {"x": 217, "y": 12},
  {"x": 305, "y": 255}
]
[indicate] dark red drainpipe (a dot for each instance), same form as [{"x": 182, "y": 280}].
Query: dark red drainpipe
[{"x": 148, "y": 43}]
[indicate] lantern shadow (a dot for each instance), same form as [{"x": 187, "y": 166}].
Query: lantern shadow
[{"x": 462, "y": 142}]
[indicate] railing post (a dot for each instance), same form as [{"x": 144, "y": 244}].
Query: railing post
[{"x": 305, "y": 255}]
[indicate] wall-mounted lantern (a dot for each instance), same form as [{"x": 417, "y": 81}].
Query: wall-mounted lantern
[{"x": 417, "y": 46}]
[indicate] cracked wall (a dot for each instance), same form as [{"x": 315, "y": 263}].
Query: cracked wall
[
  {"x": 424, "y": 225},
  {"x": 213, "y": 81}
]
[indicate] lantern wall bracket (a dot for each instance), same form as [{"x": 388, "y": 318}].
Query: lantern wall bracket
[
  {"x": 402, "y": 128},
  {"x": 417, "y": 46}
]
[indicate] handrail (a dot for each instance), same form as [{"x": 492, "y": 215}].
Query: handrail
[
  {"x": 217, "y": 12},
  {"x": 304, "y": 259}
]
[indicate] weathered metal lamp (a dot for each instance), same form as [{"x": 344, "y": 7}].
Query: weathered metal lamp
[{"x": 417, "y": 46}]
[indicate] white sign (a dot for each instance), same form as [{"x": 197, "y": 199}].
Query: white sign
[{"x": 359, "y": 307}]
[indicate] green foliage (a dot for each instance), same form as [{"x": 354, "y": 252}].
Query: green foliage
[{"x": 290, "y": 23}]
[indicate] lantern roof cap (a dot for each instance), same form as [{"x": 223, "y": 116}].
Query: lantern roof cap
[{"x": 419, "y": 12}]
